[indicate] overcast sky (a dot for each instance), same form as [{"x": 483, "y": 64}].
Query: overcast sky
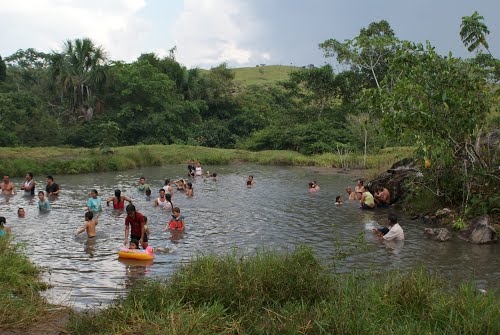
[{"x": 239, "y": 32}]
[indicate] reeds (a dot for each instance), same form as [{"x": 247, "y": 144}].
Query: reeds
[
  {"x": 49, "y": 160},
  {"x": 292, "y": 293}
]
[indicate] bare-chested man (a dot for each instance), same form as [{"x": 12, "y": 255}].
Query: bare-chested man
[
  {"x": 7, "y": 186},
  {"x": 382, "y": 197},
  {"x": 89, "y": 225}
]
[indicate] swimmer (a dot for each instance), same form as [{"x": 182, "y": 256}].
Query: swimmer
[
  {"x": 7, "y": 186},
  {"x": 89, "y": 226},
  {"x": 4, "y": 230},
  {"x": 43, "y": 202}
]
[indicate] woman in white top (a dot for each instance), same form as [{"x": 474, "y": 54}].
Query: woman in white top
[{"x": 198, "y": 170}]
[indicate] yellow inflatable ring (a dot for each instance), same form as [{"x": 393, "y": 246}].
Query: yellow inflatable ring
[{"x": 137, "y": 254}]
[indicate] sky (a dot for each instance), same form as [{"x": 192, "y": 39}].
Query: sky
[{"x": 242, "y": 33}]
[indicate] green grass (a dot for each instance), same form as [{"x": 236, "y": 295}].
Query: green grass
[
  {"x": 15, "y": 162},
  {"x": 20, "y": 283},
  {"x": 260, "y": 75},
  {"x": 292, "y": 293}
]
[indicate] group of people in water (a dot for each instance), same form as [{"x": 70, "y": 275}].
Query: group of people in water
[
  {"x": 28, "y": 188},
  {"x": 136, "y": 228},
  {"x": 381, "y": 198}
]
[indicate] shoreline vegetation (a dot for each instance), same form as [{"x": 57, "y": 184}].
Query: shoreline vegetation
[
  {"x": 56, "y": 160},
  {"x": 264, "y": 293},
  {"x": 268, "y": 292}
]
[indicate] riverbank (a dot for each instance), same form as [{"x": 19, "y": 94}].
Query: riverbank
[
  {"x": 292, "y": 293},
  {"x": 15, "y": 162}
]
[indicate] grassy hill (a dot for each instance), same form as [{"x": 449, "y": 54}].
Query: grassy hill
[{"x": 267, "y": 74}]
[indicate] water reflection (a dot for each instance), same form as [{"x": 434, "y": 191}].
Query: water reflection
[{"x": 276, "y": 212}]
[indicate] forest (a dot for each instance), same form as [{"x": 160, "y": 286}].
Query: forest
[{"x": 391, "y": 92}]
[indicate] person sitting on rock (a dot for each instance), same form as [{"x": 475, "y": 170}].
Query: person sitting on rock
[{"x": 382, "y": 197}]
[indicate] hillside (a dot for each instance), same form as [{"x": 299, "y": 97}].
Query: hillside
[{"x": 262, "y": 74}]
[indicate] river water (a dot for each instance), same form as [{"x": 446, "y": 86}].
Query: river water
[{"x": 223, "y": 216}]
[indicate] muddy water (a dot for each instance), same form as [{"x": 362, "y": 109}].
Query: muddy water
[{"x": 224, "y": 215}]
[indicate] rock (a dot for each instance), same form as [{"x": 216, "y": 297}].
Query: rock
[
  {"x": 394, "y": 178},
  {"x": 480, "y": 231},
  {"x": 438, "y": 234}
]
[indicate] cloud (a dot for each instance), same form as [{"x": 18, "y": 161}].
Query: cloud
[
  {"x": 210, "y": 32},
  {"x": 46, "y": 24}
]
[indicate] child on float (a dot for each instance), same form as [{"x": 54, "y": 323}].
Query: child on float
[{"x": 177, "y": 221}]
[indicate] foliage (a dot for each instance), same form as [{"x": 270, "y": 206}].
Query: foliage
[
  {"x": 473, "y": 32},
  {"x": 78, "y": 72},
  {"x": 3, "y": 70},
  {"x": 20, "y": 302},
  {"x": 292, "y": 293},
  {"x": 458, "y": 224},
  {"x": 370, "y": 51},
  {"x": 440, "y": 101}
]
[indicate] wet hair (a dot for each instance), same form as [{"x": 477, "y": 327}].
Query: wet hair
[
  {"x": 176, "y": 210},
  {"x": 130, "y": 208},
  {"x": 94, "y": 191},
  {"x": 393, "y": 219},
  {"x": 2, "y": 221},
  {"x": 167, "y": 181},
  {"x": 162, "y": 189},
  {"x": 214, "y": 174},
  {"x": 148, "y": 191},
  {"x": 337, "y": 198},
  {"x": 89, "y": 215},
  {"x": 135, "y": 242},
  {"x": 168, "y": 197},
  {"x": 50, "y": 177},
  {"x": 118, "y": 194},
  {"x": 30, "y": 174},
  {"x": 19, "y": 209},
  {"x": 311, "y": 184},
  {"x": 41, "y": 192},
  {"x": 360, "y": 182},
  {"x": 190, "y": 185}
]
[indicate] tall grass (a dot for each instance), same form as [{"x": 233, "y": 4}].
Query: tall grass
[
  {"x": 292, "y": 293},
  {"x": 20, "y": 302},
  {"x": 16, "y": 162}
]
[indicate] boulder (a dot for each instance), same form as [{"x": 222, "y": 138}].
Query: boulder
[
  {"x": 394, "y": 178},
  {"x": 438, "y": 234},
  {"x": 480, "y": 231}
]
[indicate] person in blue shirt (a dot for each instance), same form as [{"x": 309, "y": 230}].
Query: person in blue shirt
[
  {"x": 94, "y": 204},
  {"x": 4, "y": 230},
  {"x": 43, "y": 202}
]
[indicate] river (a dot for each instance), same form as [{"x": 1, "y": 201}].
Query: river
[{"x": 276, "y": 213}]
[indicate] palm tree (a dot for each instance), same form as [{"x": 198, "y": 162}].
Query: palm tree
[
  {"x": 78, "y": 70},
  {"x": 473, "y": 32}
]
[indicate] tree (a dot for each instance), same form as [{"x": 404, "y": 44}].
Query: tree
[
  {"x": 441, "y": 102},
  {"x": 3, "y": 70},
  {"x": 473, "y": 32},
  {"x": 315, "y": 86},
  {"x": 370, "y": 51},
  {"x": 78, "y": 71}
]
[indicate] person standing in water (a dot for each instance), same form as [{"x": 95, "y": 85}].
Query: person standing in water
[
  {"x": 7, "y": 186},
  {"x": 134, "y": 225},
  {"x": 4, "y": 230},
  {"x": 89, "y": 226},
  {"x": 29, "y": 185},
  {"x": 94, "y": 204},
  {"x": 118, "y": 200}
]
